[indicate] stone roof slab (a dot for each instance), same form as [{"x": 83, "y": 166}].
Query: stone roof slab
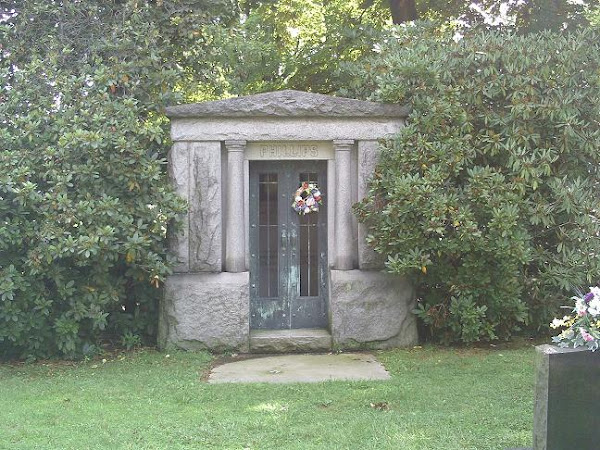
[{"x": 288, "y": 103}]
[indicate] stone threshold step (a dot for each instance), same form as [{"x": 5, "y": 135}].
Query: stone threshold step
[{"x": 290, "y": 341}]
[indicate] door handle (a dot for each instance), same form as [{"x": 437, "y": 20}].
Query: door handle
[
  {"x": 293, "y": 238},
  {"x": 283, "y": 240}
]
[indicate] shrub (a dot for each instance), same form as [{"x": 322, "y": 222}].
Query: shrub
[
  {"x": 488, "y": 197},
  {"x": 84, "y": 199}
]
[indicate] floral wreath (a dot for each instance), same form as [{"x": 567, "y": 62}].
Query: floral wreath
[{"x": 307, "y": 198}]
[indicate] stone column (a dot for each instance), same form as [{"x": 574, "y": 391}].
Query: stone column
[
  {"x": 330, "y": 199},
  {"x": 235, "y": 242},
  {"x": 344, "y": 241}
]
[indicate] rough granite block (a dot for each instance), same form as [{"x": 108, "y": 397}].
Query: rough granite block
[
  {"x": 371, "y": 309},
  {"x": 205, "y": 207},
  {"x": 205, "y": 311},
  {"x": 179, "y": 174},
  {"x": 368, "y": 153}
]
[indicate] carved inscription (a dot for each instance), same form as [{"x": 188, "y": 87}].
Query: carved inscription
[
  {"x": 279, "y": 151},
  {"x": 289, "y": 150}
]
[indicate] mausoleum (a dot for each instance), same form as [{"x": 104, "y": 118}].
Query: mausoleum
[{"x": 271, "y": 257}]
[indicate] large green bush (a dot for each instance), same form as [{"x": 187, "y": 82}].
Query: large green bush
[
  {"x": 84, "y": 200},
  {"x": 488, "y": 197}
]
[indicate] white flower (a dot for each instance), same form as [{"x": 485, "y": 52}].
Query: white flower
[{"x": 594, "y": 306}]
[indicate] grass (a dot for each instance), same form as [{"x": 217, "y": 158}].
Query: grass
[{"x": 437, "y": 399}]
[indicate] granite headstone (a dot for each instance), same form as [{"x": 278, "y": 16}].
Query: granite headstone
[{"x": 567, "y": 399}]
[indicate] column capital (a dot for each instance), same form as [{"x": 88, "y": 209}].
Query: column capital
[
  {"x": 235, "y": 145},
  {"x": 341, "y": 145}
]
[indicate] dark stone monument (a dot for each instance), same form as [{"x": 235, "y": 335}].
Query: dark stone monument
[{"x": 567, "y": 399}]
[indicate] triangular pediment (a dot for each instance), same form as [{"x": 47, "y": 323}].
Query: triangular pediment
[{"x": 288, "y": 103}]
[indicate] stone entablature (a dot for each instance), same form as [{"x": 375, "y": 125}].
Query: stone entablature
[
  {"x": 293, "y": 129},
  {"x": 214, "y": 143}
]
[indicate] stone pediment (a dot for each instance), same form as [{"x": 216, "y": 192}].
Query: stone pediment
[{"x": 288, "y": 103}]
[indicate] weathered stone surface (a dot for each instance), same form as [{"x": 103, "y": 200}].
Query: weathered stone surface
[
  {"x": 288, "y": 103},
  {"x": 290, "y": 341},
  {"x": 205, "y": 310},
  {"x": 286, "y": 150},
  {"x": 300, "y": 369},
  {"x": 368, "y": 152},
  {"x": 205, "y": 207},
  {"x": 371, "y": 309},
  {"x": 179, "y": 173},
  {"x": 235, "y": 232},
  {"x": 354, "y": 197},
  {"x": 567, "y": 399},
  {"x": 283, "y": 128},
  {"x": 331, "y": 202},
  {"x": 344, "y": 238}
]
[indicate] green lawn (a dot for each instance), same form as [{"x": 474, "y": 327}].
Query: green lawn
[{"x": 437, "y": 399}]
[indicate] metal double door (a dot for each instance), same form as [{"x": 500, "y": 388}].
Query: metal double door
[{"x": 288, "y": 251}]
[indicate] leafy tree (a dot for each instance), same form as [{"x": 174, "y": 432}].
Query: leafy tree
[
  {"x": 488, "y": 197},
  {"x": 529, "y": 16},
  {"x": 295, "y": 44},
  {"x": 301, "y": 44},
  {"x": 84, "y": 200}
]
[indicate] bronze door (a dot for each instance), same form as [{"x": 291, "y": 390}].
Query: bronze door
[{"x": 288, "y": 251}]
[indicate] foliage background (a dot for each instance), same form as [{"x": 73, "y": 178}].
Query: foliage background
[
  {"x": 489, "y": 196},
  {"x": 84, "y": 200},
  {"x": 507, "y": 187}
]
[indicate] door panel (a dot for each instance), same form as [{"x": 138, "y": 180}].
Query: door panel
[{"x": 288, "y": 258}]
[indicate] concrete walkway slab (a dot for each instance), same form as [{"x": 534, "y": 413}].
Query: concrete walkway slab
[{"x": 308, "y": 368}]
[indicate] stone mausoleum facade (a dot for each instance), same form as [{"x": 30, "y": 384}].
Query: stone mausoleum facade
[{"x": 254, "y": 274}]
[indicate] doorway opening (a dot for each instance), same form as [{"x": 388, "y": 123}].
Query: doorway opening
[{"x": 288, "y": 251}]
